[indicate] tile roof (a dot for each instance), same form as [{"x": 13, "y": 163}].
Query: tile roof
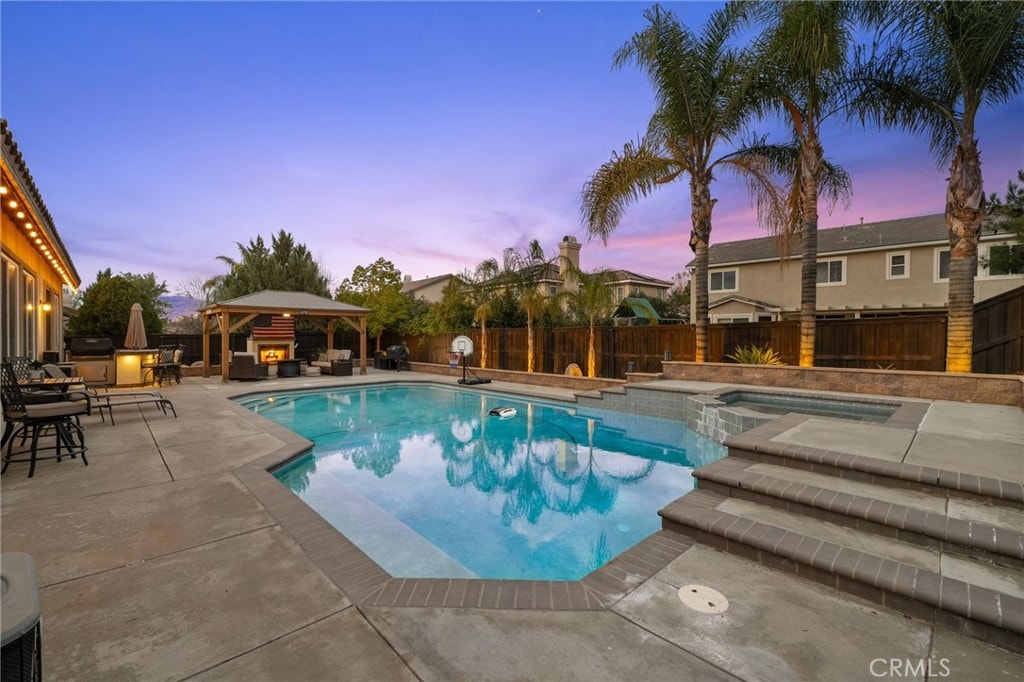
[
  {"x": 629, "y": 276},
  {"x": 415, "y": 285},
  {"x": 884, "y": 234},
  {"x": 23, "y": 177}
]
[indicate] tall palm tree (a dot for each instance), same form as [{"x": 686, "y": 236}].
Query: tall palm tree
[
  {"x": 595, "y": 298},
  {"x": 947, "y": 60},
  {"x": 699, "y": 105},
  {"x": 482, "y": 280},
  {"x": 524, "y": 270},
  {"x": 799, "y": 71}
]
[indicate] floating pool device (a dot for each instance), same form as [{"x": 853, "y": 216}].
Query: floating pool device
[{"x": 503, "y": 412}]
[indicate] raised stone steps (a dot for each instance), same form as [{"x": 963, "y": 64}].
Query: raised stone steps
[
  {"x": 933, "y": 553},
  {"x": 947, "y": 523}
]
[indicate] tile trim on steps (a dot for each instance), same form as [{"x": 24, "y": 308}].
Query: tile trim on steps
[
  {"x": 839, "y": 507},
  {"x": 757, "y": 445},
  {"x": 883, "y": 581}
]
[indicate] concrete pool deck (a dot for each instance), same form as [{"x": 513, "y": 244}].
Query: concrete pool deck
[{"x": 157, "y": 561}]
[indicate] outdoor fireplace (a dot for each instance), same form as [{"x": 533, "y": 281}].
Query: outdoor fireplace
[
  {"x": 271, "y": 354},
  {"x": 273, "y": 338}
]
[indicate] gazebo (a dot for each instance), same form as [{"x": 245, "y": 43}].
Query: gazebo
[{"x": 324, "y": 313}]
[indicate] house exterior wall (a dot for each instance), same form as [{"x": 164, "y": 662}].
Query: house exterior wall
[
  {"x": 866, "y": 285},
  {"x": 28, "y": 281},
  {"x": 432, "y": 293}
]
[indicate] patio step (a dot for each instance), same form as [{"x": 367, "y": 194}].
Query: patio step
[
  {"x": 985, "y": 530},
  {"x": 975, "y": 590}
]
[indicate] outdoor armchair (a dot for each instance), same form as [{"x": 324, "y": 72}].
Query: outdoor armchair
[{"x": 244, "y": 367}]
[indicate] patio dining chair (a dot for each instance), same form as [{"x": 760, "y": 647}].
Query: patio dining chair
[
  {"x": 23, "y": 367},
  {"x": 43, "y": 420}
]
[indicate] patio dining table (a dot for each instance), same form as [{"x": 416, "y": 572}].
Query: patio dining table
[{"x": 60, "y": 383}]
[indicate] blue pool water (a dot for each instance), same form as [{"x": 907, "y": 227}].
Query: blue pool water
[{"x": 425, "y": 482}]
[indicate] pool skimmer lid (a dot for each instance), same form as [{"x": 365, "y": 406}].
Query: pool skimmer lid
[{"x": 703, "y": 599}]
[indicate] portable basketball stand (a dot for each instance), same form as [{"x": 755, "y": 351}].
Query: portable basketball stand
[{"x": 463, "y": 346}]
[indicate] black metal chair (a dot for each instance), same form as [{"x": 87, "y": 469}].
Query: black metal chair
[
  {"x": 53, "y": 419},
  {"x": 23, "y": 367},
  {"x": 167, "y": 366}
]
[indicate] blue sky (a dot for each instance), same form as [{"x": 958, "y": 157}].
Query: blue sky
[{"x": 432, "y": 134}]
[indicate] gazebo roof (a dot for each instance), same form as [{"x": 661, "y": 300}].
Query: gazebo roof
[{"x": 295, "y": 302}]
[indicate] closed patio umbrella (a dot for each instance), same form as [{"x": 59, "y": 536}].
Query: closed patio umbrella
[{"x": 136, "y": 336}]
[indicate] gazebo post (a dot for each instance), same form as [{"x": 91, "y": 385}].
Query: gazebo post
[
  {"x": 225, "y": 345},
  {"x": 362, "y": 345},
  {"x": 206, "y": 346}
]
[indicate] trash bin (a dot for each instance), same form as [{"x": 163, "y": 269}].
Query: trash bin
[{"x": 21, "y": 646}]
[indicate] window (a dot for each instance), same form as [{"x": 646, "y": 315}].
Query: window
[
  {"x": 832, "y": 271},
  {"x": 898, "y": 266},
  {"x": 730, "y": 319},
  {"x": 29, "y": 308},
  {"x": 1005, "y": 259},
  {"x": 9, "y": 319},
  {"x": 942, "y": 265},
  {"x": 620, "y": 293},
  {"x": 723, "y": 280},
  {"x": 53, "y": 321},
  {"x": 552, "y": 290},
  {"x": 764, "y": 317}
]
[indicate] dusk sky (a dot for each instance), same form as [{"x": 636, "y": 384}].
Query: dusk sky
[{"x": 432, "y": 134}]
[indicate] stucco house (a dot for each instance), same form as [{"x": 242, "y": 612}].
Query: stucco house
[
  {"x": 883, "y": 269},
  {"x": 430, "y": 289},
  {"x": 36, "y": 264},
  {"x": 557, "y": 277}
]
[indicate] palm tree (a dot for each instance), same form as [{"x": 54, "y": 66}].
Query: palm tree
[
  {"x": 947, "y": 60},
  {"x": 482, "y": 280},
  {"x": 799, "y": 71},
  {"x": 524, "y": 271},
  {"x": 595, "y": 298},
  {"x": 699, "y": 104}
]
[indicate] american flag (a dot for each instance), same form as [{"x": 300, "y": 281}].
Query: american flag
[{"x": 273, "y": 327}]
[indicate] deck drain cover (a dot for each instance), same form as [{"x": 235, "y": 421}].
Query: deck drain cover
[{"x": 703, "y": 599}]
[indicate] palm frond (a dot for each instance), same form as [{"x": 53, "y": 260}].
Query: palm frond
[{"x": 628, "y": 176}]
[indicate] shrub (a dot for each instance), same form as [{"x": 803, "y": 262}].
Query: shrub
[{"x": 756, "y": 356}]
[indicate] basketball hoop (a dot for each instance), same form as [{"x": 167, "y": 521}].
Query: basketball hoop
[{"x": 453, "y": 359}]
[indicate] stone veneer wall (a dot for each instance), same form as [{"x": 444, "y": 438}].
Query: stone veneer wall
[
  {"x": 993, "y": 389},
  {"x": 532, "y": 378}
]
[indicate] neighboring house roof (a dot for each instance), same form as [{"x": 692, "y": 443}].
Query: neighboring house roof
[
  {"x": 749, "y": 301},
  {"x": 296, "y": 301},
  {"x": 622, "y": 276},
  {"x": 414, "y": 285},
  {"x": 886, "y": 234},
  {"x": 636, "y": 307},
  {"x": 550, "y": 273},
  {"x": 16, "y": 162}
]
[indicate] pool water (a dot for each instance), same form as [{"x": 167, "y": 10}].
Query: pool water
[
  {"x": 428, "y": 484},
  {"x": 767, "y": 403}
]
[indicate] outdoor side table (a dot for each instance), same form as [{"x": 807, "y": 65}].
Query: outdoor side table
[
  {"x": 289, "y": 368},
  {"x": 341, "y": 368}
]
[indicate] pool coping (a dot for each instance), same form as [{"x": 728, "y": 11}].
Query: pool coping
[{"x": 366, "y": 583}]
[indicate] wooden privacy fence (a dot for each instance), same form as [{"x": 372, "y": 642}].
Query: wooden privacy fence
[
  {"x": 999, "y": 334},
  {"x": 905, "y": 343},
  {"x": 909, "y": 343}
]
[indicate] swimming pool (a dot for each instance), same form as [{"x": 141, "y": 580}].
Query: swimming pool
[{"x": 428, "y": 484}]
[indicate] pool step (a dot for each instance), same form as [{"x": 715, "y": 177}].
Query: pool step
[
  {"x": 985, "y": 530},
  {"x": 919, "y": 553},
  {"x": 759, "y": 446}
]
